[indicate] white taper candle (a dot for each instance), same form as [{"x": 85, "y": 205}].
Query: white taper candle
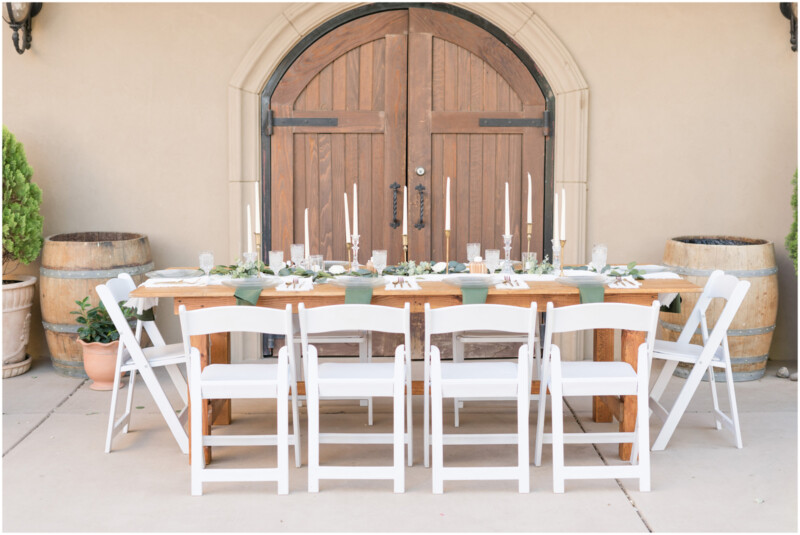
[
  {"x": 530, "y": 198},
  {"x": 508, "y": 220},
  {"x": 447, "y": 207},
  {"x": 257, "y": 218},
  {"x": 563, "y": 233},
  {"x": 249, "y": 231},
  {"x": 355, "y": 210},
  {"x": 307, "y": 241},
  {"x": 346, "y": 220}
]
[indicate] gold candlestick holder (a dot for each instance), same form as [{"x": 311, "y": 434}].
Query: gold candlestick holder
[
  {"x": 563, "y": 246},
  {"x": 405, "y": 247},
  {"x": 530, "y": 232},
  {"x": 258, "y": 248},
  {"x": 349, "y": 256},
  {"x": 447, "y": 251}
]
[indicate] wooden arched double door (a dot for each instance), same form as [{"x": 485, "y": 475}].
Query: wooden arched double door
[{"x": 406, "y": 97}]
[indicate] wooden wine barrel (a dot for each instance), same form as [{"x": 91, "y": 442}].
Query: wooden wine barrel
[
  {"x": 750, "y": 334},
  {"x": 72, "y": 265}
]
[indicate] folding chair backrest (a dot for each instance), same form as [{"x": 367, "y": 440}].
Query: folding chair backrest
[
  {"x": 509, "y": 319},
  {"x": 601, "y": 316},
  {"x": 244, "y": 319},
  {"x": 120, "y": 288},
  {"x": 718, "y": 286}
]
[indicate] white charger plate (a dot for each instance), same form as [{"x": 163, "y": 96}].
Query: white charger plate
[
  {"x": 349, "y": 281},
  {"x": 473, "y": 280},
  {"x": 174, "y": 273},
  {"x": 255, "y": 282},
  {"x": 584, "y": 280}
]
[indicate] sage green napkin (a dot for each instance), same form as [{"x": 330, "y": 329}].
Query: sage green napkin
[
  {"x": 247, "y": 296},
  {"x": 674, "y": 307},
  {"x": 592, "y": 293},
  {"x": 149, "y": 315},
  {"x": 474, "y": 296},
  {"x": 358, "y": 295}
]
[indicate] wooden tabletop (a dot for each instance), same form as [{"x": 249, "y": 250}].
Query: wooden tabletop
[{"x": 437, "y": 293}]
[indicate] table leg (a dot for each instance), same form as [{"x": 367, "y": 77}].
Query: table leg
[
  {"x": 603, "y": 351},
  {"x": 201, "y": 343},
  {"x": 631, "y": 340},
  {"x": 219, "y": 353}
]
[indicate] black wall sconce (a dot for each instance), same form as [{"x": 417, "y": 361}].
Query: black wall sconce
[
  {"x": 789, "y": 10},
  {"x": 18, "y": 15}
]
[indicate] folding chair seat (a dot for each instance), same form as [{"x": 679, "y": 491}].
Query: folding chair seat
[
  {"x": 133, "y": 358},
  {"x": 358, "y": 380},
  {"x": 714, "y": 353},
  {"x": 478, "y": 380},
  {"x": 362, "y": 338},
  {"x": 243, "y": 380},
  {"x": 589, "y": 378}
]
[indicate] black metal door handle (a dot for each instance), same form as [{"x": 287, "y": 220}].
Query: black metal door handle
[
  {"x": 421, "y": 189},
  {"x": 395, "y": 223}
]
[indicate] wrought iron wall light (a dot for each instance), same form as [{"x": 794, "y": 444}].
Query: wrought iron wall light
[
  {"x": 789, "y": 10},
  {"x": 18, "y": 15}
]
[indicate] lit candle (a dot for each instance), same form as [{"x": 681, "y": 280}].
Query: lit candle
[
  {"x": 355, "y": 210},
  {"x": 563, "y": 214},
  {"x": 508, "y": 221},
  {"x": 258, "y": 208},
  {"x": 346, "y": 220},
  {"x": 555, "y": 218},
  {"x": 249, "y": 231},
  {"x": 405, "y": 211},
  {"x": 530, "y": 191},
  {"x": 307, "y": 241},
  {"x": 447, "y": 207}
]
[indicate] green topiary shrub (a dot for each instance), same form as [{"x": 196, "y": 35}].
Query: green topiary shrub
[
  {"x": 22, "y": 222},
  {"x": 791, "y": 239}
]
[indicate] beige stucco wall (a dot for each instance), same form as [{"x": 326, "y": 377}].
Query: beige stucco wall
[{"x": 692, "y": 123}]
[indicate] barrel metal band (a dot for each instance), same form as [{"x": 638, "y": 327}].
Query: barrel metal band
[
  {"x": 731, "y": 332},
  {"x": 95, "y": 274},
  {"x": 70, "y": 327},
  {"x": 680, "y": 270}
]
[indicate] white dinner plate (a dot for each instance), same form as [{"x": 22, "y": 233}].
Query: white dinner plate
[
  {"x": 174, "y": 273},
  {"x": 473, "y": 280},
  {"x": 349, "y": 281},
  {"x": 254, "y": 282},
  {"x": 583, "y": 280},
  {"x": 644, "y": 268}
]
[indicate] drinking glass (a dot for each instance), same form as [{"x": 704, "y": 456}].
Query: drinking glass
[
  {"x": 473, "y": 250},
  {"x": 316, "y": 262},
  {"x": 276, "y": 261},
  {"x": 492, "y": 260},
  {"x": 298, "y": 252},
  {"x": 599, "y": 256},
  {"x": 528, "y": 260},
  {"x": 379, "y": 260},
  {"x": 206, "y": 262}
]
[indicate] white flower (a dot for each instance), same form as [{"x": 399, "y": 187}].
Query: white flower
[
  {"x": 439, "y": 267},
  {"x": 336, "y": 270}
]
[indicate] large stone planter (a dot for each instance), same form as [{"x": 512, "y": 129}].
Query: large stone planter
[
  {"x": 17, "y": 301},
  {"x": 72, "y": 265},
  {"x": 750, "y": 333}
]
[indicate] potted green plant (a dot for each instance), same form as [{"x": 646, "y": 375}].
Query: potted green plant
[
  {"x": 100, "y": 341},
  {"x": 22, "y": 242},
  {"x": 791, "y": 238}
]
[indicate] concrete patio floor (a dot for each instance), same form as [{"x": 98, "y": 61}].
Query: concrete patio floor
[{"x": 57, "y": 478}]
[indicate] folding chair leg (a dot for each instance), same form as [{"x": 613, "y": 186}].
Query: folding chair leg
[
  {"x": 679, "y": 407},
  {"x": 399, "y": 442},
  {"x": 438, "y": 446},
  {"x": 365, "y": 355},
  {"x": 179, "y": 381},
  {"x": 197, "y": 457},
  {"x": 129, "y": 401},
  {"x": 297, "y": 370},
  {"x": 458, "y": 356},
  {"x": 166, "y": 409},
  {"x": 542, "y": 404},
  {"x": 523, "y": 441},
  {"x": 112, "y": 413},
  {"x": 426, "y": 416},
  {"x": 312, "y": 399},
  {"x": 712, "y": 383},
  {"x": 663, "y": 379},
  {"x": 296, "y": 429},
  {"x": 558, "y": 442},
  {"x": 737, "y": 432},
  {"x": 410, "y": 417},
  {"x": 283, "y": 440}
]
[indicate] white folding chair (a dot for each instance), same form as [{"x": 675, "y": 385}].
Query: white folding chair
[
  {"x": 479, "y": 380},
  {"x": 589, "y": 378},
  {"x": 244, "y": 380},
  {"x": 461, "y": 338},
  {"x": 357, "y": 380},
  {"x": 133, "y": 358},
  {"x": 714, "y": 353},
  {"x": 362, "y": 338}
]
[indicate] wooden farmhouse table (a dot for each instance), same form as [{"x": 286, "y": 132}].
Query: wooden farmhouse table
[{"x": 216, "y": 348}]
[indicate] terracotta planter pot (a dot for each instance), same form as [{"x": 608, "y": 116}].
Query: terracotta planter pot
[
  {"x": 17, "y": 301},
  {"x": 100, "y": 362}
]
